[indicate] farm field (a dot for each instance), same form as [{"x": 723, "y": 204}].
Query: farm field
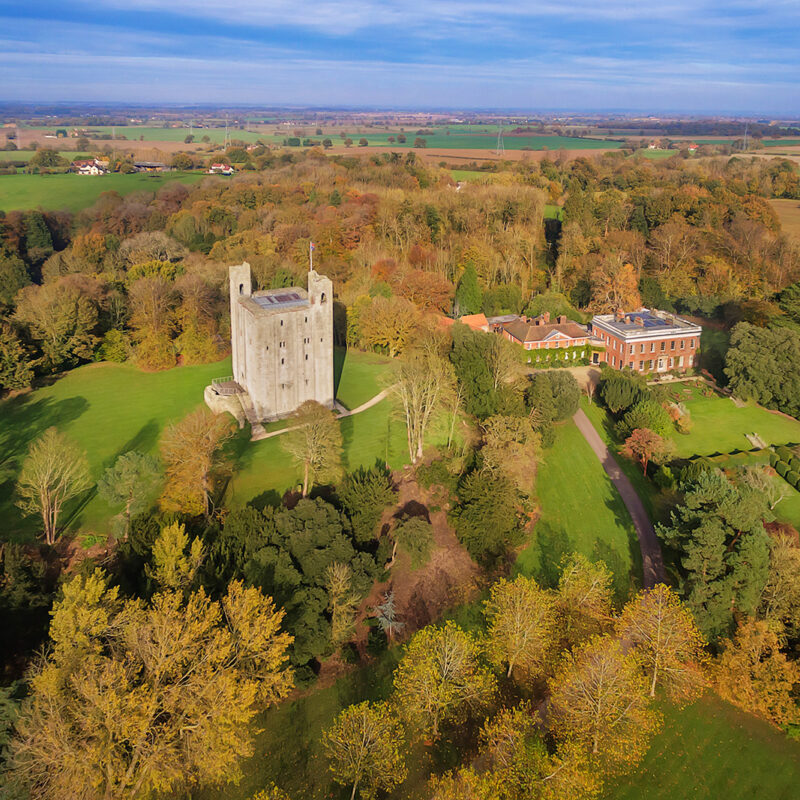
[
  {"x": 720, "y": 427},
  {"x": 788, "y": 212},
  {"x": 580, "y": 511},
  {"x": 85, "y": 404},
  {"x": 477, "y": 141},
  {"x": 73, "y": 192},
  {"x": 156, "y": 134},
  {"x": 27, "y": 155}
]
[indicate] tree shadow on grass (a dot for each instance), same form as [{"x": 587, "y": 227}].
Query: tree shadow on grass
[
  {"x": 627, "y": 573},
  {"x": 542, "y": 558},
  {"x": 339, "y": 357},
  {"x": 143, "y": 441},
  {"x": 23, "y": 420}
]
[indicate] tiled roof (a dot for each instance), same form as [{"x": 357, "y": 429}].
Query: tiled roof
[{"x": 528, "y": 332}]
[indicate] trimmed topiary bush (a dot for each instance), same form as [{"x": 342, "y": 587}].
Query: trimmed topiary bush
[
  {"x": 773, "y": 459},
  {"x": 784, "y": 453},
  {"x": 782, "y": 468}
]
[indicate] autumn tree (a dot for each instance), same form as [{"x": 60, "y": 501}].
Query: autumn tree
[
  {"x": 135, "y": 700},
  {"x": 753, "y": 674},
  {"x": 191, "y": 452},
  {"x": 615, "y": 285},
  {"x": 663, "y": 632},
  {"x": 62, "y": 321},
  {"x": 175, "y": 560},
  {"x": 129, "y": 482},
  {"x": 780, "y": 600},
  {"x": 152, "y": 302},
  {"x": 599, "y": 701},
  {"x": 423, "y": 378},
  {"x": 342, "y": 601},
  {"x": 364, "y": 749},
  {"x": 16, "y": 364},
  {"x": 388, "y": 324},
  {"x": 645, "y": 446},
  {"x": 513, "y": 448},
  {"x": 440, "y": 679},
  {"x": 583, "y": 599},
  {"x": 521, "y": 626},
  {"x": 314, "y": 441},
  {"x": 54, "y": 472}
]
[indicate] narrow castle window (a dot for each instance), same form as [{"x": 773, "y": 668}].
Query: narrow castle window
[
  {"x": 241, "y": 288},
  {"x": 323, "y": 298},
  {"x": 281, "y": 323}
]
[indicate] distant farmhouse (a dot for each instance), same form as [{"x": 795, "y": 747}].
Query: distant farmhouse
[
  {"x": 89, "y": 166},
  {"x": 648, "y": 340},
  {"x": 220, "y": 169},
  {"x": 282, "y": 343}
]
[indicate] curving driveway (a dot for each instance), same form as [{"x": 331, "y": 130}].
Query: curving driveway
[{"x": 652, "y": 561}]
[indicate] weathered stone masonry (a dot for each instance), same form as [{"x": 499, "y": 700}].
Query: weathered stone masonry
[{"x": 282, "y": 342}]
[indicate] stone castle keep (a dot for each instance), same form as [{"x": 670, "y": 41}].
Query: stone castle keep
[{"x": 282, "y": 343}]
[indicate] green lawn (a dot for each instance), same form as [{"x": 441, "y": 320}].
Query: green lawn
[
  {"x": 72, "y": 192},
  {"x": 580, "y": 511},
  {"x": 108, "y": 409},
  {"x": 358, "y": 376},
  {"x": 720, "y": 427},
  {"x": 711, "y": 751}
]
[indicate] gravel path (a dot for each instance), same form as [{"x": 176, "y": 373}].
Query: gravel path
[{"x": 652, "y": 562}]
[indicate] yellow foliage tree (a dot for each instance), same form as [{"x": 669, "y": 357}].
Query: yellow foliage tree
[
  {"x": 666, "y": 638},
  {"x": 521, "y": 626},
  {"x": 363, "y": 748},
  {"x": 135, "y": 700}
]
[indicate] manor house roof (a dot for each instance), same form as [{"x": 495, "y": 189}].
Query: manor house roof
[{"x": 538, "y": 330}]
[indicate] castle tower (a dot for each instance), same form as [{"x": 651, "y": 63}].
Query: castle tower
[{"x": 282, "y": 343}]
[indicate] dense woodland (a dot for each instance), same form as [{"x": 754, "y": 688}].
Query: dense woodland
[
  {"x": 143, "y": 276},
  {"x": 202, "y": 607}
]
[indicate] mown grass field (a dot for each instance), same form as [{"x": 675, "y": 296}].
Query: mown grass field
[
  {"x": 580, "y": 511},
  {"x": 712, "y": 751},
  {"x": 720, "y": 427},
  {"x": 71, "y": 192},
  {"x": 108, "y": 409}
]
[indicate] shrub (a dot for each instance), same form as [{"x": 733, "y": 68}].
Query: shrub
[
  {"x": 794, "y": 463},
  {"x": 784, "y": 453},
  {"x": 782, "y": 468},
  {"x": 645, "y": 414},
  {"x": 664, "y": 478},
  {"x": 486, "y": 519},
  {"x": 792, "y": 477},
  {"x": 566, "y": 394},
  {"x": 414, "y": 536},
  {"x": 116, "y": 346},
  {"x": 684, "y": 424},
  {"x": 773, "y": 459}
]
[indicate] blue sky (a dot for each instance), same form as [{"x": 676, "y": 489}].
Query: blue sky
[{"x": 739, "y": 56}]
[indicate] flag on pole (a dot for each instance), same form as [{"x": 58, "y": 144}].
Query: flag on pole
[
  {"x": 311, "y": 246},
  {"x": 311, "y": 249}
]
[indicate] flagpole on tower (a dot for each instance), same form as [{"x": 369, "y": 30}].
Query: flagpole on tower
[{"x": 311, "y": 256}]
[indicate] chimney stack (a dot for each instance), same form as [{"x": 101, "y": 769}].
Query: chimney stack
[{"x": 562, "y": 320}]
